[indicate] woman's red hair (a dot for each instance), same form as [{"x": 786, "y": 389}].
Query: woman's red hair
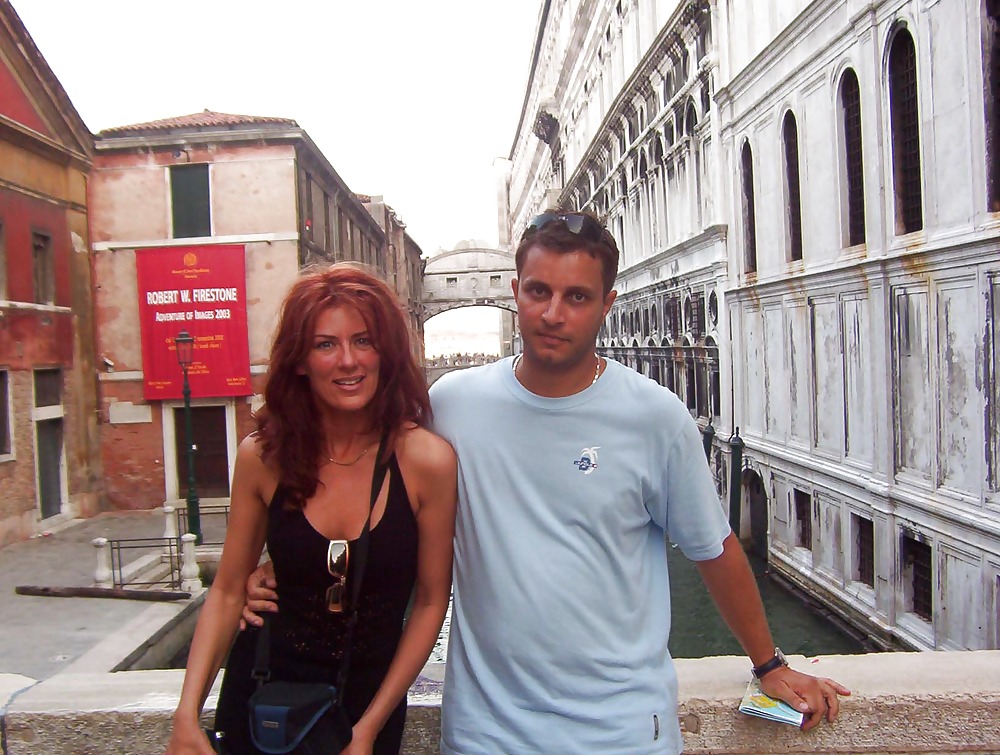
[{"x": 288, "y": 423}]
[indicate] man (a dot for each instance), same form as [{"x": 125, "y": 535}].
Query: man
[{"x": 572, "y": 468}]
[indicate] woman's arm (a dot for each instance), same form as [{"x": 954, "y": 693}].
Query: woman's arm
[
  {"x": 430, "y": 473},
  {"x": 220, "y": 613}
]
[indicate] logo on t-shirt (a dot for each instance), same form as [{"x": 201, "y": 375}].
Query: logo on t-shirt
[{"x": 587, "y": 462}]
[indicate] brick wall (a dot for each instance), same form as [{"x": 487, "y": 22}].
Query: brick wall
[
  {"x": 17, "y": 475},
  {"x": 133, "y": 454}
]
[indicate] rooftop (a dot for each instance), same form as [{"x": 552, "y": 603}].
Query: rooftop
[{"x": 206, "y": 120}]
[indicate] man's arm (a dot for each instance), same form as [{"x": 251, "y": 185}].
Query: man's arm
[{"x": 731, "y": 583}]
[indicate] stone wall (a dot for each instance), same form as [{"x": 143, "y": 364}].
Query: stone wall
[{"x": 926, "y": 703}]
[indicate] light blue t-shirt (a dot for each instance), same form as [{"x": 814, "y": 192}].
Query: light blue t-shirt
[{"x": 561, "y": 608}]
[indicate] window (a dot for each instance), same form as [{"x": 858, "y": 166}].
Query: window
[
  {"x": 328, "y": 232},
  {"x": 749, "y": 212},
  {"x": 803, "y": 519},
  {"x": 307, "y": 206},
  {"x": 44, "y": 268},
  {"x": 790, "y": 137},
  {"x": 850, "y": 110},
  {"x": 905, "y": 126},
  {"x": 189, "y": 198},
  {"x": 691, "y": 396},
  {"x": 48, "y": 388},
  {"x": 5, "y": 414},
  {"x": 917, "y": 585},
  {"x": 451, "y": 282},
  {"x": 993, "y": 385},
  {"x": 991, "y": 70},
  {"x": 714, "y": 387},
  {"x": 863, "y": 547},
  {"x": 701, "y": 385},
  {"x": 698, "y": 314},
  {"x": 344, "y": 234}
]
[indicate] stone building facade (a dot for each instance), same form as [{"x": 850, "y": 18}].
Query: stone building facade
[
  {"x": 49, "y": 451},
  {"x": 199, "y": 182},
  {"x": 806, "y": 198},
  {"x": 404, "y": 262}
]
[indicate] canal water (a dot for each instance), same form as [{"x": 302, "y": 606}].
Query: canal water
[{"x": 698, "y": 631}]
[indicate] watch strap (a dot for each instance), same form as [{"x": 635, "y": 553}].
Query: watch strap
[{"x": 776, "y": 661}]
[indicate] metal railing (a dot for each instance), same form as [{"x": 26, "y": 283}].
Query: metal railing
[
  {"x": 167, "y": 563},
  {"x": 163, "y": 551},
  {"x": 208, "y": 512}
]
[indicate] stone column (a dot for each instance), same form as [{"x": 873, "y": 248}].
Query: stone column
[
  {"x": 190, "y": 574},
  {"x": 103, "y": 575}
]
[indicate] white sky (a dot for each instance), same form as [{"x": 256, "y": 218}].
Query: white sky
[{"x": 409, "y": 99}]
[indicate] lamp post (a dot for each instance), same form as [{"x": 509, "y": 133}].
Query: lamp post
[{"x": 184, "y": 342}]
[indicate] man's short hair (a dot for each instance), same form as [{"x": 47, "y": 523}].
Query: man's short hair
[{"x": 565, "y": 232}]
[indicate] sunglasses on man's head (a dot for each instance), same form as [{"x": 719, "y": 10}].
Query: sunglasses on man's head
[{"x": 576, "y": 223}]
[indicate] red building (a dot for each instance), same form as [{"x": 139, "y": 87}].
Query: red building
[{"x": 49, "y": 451}]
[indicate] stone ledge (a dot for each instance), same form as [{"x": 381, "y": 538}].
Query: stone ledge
[{"x": 926, "y": 703}]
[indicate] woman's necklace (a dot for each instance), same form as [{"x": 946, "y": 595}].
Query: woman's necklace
[
  {"x": 517, "y": 361},
  {"x": 350, "y": 463}
]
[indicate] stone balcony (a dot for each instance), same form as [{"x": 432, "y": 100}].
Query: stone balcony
[{"x": 934, "y": 702}]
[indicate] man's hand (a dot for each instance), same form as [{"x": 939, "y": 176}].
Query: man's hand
[
  {"x": 815, "y": 696},
  {"x": 261, "y": 595}
]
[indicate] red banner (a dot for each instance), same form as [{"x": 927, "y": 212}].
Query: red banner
[{"x": 200, "y": 289}]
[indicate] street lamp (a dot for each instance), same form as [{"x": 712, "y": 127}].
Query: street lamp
[{"x": 184, "y": 342}]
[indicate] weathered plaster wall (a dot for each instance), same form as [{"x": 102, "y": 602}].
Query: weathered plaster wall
[
  {"x": 253, "y": 190},
  {"x": 252, "y": 195}
]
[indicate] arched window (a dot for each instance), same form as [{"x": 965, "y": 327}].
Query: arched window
[
  {"x": 652, "y": 104},
  {"x": 749, "y": 211},
  {"x": 850, "y": 111},
  {"x": 905, "y": 125},
  {"x": 657, "y": 151},
  {"x": 790, "y": 137},
  {"x": 690, "y": 118}
]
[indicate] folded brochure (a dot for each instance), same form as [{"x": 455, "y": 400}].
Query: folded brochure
[{"x": 756, "y": 703}]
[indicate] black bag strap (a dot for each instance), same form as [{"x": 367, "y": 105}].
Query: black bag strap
[{"x": 262, "y": 656}]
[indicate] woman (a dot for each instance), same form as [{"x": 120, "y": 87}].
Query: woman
[{"x": 341, "y": 374}]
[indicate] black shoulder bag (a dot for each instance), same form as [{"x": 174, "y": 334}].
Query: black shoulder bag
[{"x": 303, "y": 717}]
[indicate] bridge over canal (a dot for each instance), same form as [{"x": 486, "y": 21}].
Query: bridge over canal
[{"x": 468, "y": 276}]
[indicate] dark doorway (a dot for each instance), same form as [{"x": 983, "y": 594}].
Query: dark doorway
[
  {"x": 50, "y": 441},
  {"x": 211, "y": 456},
  {"x": 757, "y": 497}
]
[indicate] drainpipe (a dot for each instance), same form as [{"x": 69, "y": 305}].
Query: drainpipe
[{"x": 735, "y": 483}]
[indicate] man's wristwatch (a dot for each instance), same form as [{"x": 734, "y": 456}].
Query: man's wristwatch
[{"x": 768, "y": 666}]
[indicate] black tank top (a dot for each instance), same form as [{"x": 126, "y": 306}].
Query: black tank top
[
  {"x": 304, "y": 631},
  {"x": 307, "y": 641}
]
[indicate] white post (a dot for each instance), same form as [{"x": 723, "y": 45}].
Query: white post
[
  {"x": 102, "y": 574},
  {"x": 190, "y": 574},
  {"x": 169, "y": 530}
]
